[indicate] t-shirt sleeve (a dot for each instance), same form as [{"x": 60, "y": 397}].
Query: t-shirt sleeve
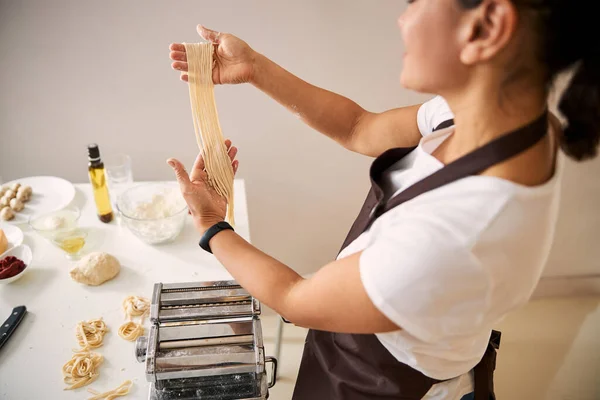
[
  {"x": 432, "y": 113},
  {"x": 426, "y": 282}
]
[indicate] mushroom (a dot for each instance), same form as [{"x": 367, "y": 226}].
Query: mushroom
[
  {"x": 26, "y": 189},
  {"x": 7, "y": 214},
  {"x": 22, "y": 196},
  {"x": 16, "y": 205}
]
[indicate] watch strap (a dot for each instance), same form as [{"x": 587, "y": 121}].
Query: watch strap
[{"x": 211, "y": 232}]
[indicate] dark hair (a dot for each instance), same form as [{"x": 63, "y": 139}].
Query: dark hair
[{"x": 566, "y": 38}]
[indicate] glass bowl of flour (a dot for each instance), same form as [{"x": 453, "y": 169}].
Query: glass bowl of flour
[{"x": 154, "y": 212}]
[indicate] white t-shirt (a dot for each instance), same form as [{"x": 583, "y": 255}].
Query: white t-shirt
[{"x": 446, "y": 266}]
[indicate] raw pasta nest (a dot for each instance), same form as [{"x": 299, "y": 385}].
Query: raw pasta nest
[
  {"x": 90, "y": 334},
  {"x": 81, "y": 369},
  {"x": 131, "y": 331}
]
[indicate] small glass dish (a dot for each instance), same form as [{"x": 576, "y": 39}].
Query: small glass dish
[
  {"x": 71, "y": 242},
  {"x": 49, "y": 224}
]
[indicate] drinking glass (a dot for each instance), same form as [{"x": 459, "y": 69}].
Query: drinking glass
[{"x": 118, "y": 174}]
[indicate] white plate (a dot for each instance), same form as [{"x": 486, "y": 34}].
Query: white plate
[
  {"x": 14, "y": 235},
  {"x": 50, "y": 193}
]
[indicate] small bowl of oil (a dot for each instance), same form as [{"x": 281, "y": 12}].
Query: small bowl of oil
[{"x": 71, "y": 242}]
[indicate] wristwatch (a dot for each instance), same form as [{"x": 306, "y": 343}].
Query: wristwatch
[{"x": 212, "y": 231}]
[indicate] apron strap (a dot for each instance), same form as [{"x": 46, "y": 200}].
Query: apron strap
[
  {"x": 495, "y": 152},
  {"x": 484, "y": 370},
  {"x": 444, "y": 125},
  {"x": 379, "y": 165}
]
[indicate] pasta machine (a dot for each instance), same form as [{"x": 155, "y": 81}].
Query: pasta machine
[{"x": 205, "y": 342}]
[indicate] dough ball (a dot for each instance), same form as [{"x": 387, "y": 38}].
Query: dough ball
[
  {"x": 11, "y": 194},
  {"x": 4, "y": 201},
  {"x": 2, "y": 191},
  {"x": 16, "y": 205},
  {"x": 7, "y": 214},
  {"x": 95, "y": 269},
  {"x": 22, "y": 196},
  {"x": 15, "y": 186}
]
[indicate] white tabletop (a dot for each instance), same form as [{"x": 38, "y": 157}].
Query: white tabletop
[{"x": 31, "y": 361}]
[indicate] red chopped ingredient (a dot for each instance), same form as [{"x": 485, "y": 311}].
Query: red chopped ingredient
[{"x": 11, "y": 266}]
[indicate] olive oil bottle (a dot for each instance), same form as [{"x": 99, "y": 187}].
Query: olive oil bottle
[{"x": 99, "y": 184}]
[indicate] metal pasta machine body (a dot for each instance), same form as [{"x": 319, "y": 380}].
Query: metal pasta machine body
[{"x": 205, "y": 342}]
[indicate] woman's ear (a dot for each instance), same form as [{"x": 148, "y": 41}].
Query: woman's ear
[{"x": 487, "y": 30}]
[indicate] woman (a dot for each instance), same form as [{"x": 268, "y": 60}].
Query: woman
[{"x": 457, "y": 226}]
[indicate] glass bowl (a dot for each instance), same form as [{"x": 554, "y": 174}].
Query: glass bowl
[
  {"x": 71, "y": 242},
  {"x": 154, "y": 212},
  {"x": 49, "y": 224}
]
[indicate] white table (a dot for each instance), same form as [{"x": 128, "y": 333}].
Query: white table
[{"x": 31, "y": 361}]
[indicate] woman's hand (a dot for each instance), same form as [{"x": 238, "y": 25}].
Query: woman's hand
[
  {"x": 206, "y": 206},
  {"x": 234, "y": 59}
]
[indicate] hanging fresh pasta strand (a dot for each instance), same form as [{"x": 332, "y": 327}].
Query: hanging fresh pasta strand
[{"x": 206, "y": 122}]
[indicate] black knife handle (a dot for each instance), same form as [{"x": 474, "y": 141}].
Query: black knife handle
[{"x": 9, "y": 326}]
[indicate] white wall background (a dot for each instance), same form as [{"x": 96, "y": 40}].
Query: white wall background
[{"x": 74, "y": 72}]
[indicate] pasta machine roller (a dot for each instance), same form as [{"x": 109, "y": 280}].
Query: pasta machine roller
[{"x": 205, "y": 342}]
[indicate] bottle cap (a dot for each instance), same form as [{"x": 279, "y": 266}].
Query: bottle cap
[{"x": 93, "y": 152}]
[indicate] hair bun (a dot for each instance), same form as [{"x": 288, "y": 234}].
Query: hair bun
[{"x": 580, "y": 104}]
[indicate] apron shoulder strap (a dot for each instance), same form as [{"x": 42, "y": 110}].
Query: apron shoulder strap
[
  {"x": 490, "y": 154},
  {"x": 446, "y": 124}
]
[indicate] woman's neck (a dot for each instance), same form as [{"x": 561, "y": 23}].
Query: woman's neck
[{"x": 482, "y": 114}]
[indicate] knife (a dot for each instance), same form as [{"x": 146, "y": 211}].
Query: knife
[{"x": 9, "y": 326}]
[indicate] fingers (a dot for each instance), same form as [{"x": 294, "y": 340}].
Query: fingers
[
  {"x": 180, "y": 173},
  {"x": 198, "y": 171},
  {"x": 231, "y": 150},
  {"x": 178, "y": 56},
  {"x": 177, "y": 47},
  {"x": 198, "y": 164},
  {"x": 180, "y": 66},
  {"x": 209, "y": 34},
  {"x": 232, "y": 153}
]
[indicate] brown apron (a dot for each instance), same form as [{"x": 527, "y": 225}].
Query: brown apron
[{"x": 340, "y": 366}]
